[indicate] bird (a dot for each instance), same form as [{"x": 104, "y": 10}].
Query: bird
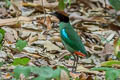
[{"x": 70, "y": 39}]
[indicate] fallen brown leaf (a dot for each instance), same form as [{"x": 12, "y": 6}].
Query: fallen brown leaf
[{"x": 45, "y": 21}]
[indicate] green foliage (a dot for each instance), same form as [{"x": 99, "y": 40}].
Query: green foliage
[
  {"x": 2, "y": 33},
  {"x": 21, "y": 61},
  {"x": 77, "y": 78},
  {"x": 110, "y": 63},
  {"x": 62, "y": 4},
  {"x": 116, "y": 48},
  {"x": 21, "y": 70},
  {"x": 44, "y": 72},
  {"x": 1, "y": 63},
  {"x": 111, "y": 73},
  {"x": 69, "y": 2},
  {"x": 115, "y": 4},
  {"x": 8, "y": 3},
  {"x": 21, "y": 44},
  {"x": 67, "y": 57}
]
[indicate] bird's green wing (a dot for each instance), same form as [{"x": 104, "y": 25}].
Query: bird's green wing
[{"x": 71, "y": 39}]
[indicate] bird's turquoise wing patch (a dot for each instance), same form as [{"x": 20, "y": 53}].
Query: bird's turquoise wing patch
[{"x": 64, "y": 34}]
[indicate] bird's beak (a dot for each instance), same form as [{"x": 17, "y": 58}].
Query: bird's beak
[{"x": 53, "y": 13}]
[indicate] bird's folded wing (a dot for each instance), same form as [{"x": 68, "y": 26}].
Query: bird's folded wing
[{"x": 71, "y": 38}]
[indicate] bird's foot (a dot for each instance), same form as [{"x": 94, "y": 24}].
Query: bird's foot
[{"x": 74, "y": 69}]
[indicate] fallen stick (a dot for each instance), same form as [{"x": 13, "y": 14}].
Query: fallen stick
[{"x": 14, "y": 22}]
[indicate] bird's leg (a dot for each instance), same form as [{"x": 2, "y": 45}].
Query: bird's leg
[{"x": 74, "y": 64}]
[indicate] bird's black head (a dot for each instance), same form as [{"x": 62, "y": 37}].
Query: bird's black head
[{"x": 61, "y": 15}]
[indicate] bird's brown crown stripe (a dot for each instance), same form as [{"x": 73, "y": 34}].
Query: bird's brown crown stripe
[{"x": 63, "y": 13}]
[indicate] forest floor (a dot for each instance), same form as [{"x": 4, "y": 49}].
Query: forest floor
[{"x": 29, "y": 36}]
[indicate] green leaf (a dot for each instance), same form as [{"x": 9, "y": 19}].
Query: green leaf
[
  {"x": 116, "y": 47},
  {"x": 118, "y": 55},
  {"x": 21, "y": 61},
  {"x": 115, "y": 4},
  {"x": 67, "y": 57},
  {"x": 69, "y": 2},
  {"x": 1, "y": 63},
  {"x": 46, "y": 72},
  {"x": 112, "y": 74},
  {"x": 2, "y": 31},
  {"x": 101, "y": 68},
  {"x": 21, "y": 70},
  {"x": 21, "y": 44},
  {"x": 8, "y": 3},
  {"x": 43, "y": 72},
  {"x": 56, "y": 74},
  {"x": 110, "y": 63},
  {"x": 13, "y": 79},
  {"x": 77, "y": 78},
  {"x": 1, "y": 38},
  {"x": 61, "y": 4},
  {"x": 41, "y": 78}
]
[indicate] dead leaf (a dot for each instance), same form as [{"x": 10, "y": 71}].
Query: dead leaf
[
  {"x": 64, "y": 75},
  {"x": 89, "y": 78},
  {"x": 74, "y": 75},
  {"x": 50, "y": 46},
  {"x": 108, "y": 49},
  {"x": 83, "y": 76},
  {"x": 82, "y": 69},
  {"x": 3, "y": 54},
  {"x": 32, "y": 39},
  {"x": 7, "y": 76},
  {"x": 3, "y": 13},
  {"x": 9, "y": 38},
  {"x": 56, "y": 39},
  {"x": 45, "y": 21}
]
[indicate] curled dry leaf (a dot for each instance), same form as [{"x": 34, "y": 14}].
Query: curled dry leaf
[
  {"x": 74, "y": 75},
  {"x": 16, "y": 6},
  {"x": 32, "y": 39},
  {"x": 24, "y": 34},
  {"x": 46, "y": 21},
  {"x": 83, "y": 76}
]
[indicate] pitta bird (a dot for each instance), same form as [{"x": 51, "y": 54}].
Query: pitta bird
[{"x": 70, "y": 38}]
